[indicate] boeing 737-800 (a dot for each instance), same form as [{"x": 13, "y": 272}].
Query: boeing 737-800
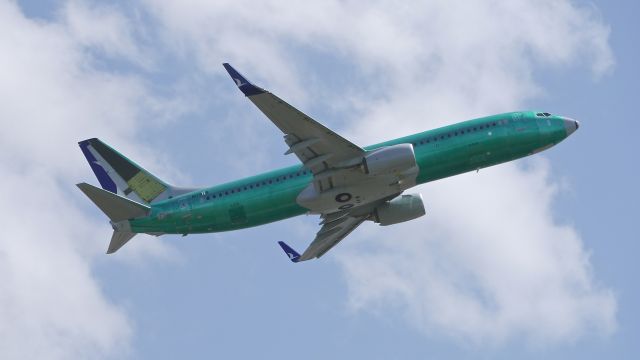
[{"x": 343, "y": 183}]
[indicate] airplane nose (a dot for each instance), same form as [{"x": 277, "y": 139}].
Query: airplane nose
[{"x": 571, "y": 125}]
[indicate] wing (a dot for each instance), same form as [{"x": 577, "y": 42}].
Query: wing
[
  {"x": 335, "y": 227},
  {"x": 331, "y": 234},
  {"x": 315, "y": 145},
  {"x": 319, "y": 149}
]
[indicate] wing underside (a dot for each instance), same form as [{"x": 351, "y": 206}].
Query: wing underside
[
  {"x": 331, "y": 234},
  {"x": 318, "y": 147},
  {"x": 322, "y": 151}
]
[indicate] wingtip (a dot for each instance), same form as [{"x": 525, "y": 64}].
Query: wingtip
[
  {"x": 247, "y": 88},
  {"x": 85, "y": 187},
  {"x": 292, "y": 254},
  {"x": 85, "y": 141}
]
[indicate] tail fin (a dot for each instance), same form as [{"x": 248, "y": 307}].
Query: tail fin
[
  {"x": 119, "y": 175},
  {"x": 119, "y": 210}
]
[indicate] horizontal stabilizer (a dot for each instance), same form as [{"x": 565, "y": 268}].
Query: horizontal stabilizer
[
  {"x": 116, "y": 207},
  {"x": 292, "y": 254},
  {"x": 118, "y": 239}
]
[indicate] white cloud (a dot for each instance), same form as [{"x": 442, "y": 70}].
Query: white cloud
[
  {"x": 489, "y": 263},
  {"x": 51, "y": 96},
  {"x": 51, "y": 306},
  {"x": 104, "y": 28}
]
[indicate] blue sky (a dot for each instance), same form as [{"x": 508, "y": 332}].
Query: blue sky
[{"x": 530, "y": 259}]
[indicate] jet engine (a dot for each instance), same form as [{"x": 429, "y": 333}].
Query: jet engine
[
  {"x": 401, "y": 209},
  {"x": 390, "y": 160}
]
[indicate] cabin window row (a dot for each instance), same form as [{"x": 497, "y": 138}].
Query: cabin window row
[
  {"x": 460, "y": 132},
  {"x": 219, "y": 194}
]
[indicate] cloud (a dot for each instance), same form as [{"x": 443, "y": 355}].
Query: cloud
[
  {"x": 105, "y": 29},
  {"x": 52, "y": 306},
  {"x": 52, "y": 95},
  {"x": 489, "y": 263}
]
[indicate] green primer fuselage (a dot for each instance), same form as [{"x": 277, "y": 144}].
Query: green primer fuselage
[{"x": 271, "y": 196}]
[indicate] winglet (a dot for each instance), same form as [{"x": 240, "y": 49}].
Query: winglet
[
  {"x": 247, "y": 88},
  {"x": 292, "y": 254}
]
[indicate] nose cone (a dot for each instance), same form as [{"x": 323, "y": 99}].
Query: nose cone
[{"x": 570, "y": 125}]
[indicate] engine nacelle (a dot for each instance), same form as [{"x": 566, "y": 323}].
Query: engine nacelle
[
  {"x": 400, "y": 209},
  {"x": 390, "y": 160}
]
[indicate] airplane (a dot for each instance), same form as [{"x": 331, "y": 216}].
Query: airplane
[{"x": 343, "y": 183}]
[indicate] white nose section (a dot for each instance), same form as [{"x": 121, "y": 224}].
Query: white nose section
[{"x": 571, "y": 125}]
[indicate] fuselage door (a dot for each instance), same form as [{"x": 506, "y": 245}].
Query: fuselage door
[{"x": 185, "y": 219}]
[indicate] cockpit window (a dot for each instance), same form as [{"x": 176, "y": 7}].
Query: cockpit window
[{"x": 543, "y": 114}]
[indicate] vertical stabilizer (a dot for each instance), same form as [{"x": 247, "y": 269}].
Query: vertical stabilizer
[{"x": 119, "y": 175}]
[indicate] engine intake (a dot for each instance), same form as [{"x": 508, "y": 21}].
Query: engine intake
[
  {"x": 388, "y": 160},
  {"x": 400, "y": 209}
]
